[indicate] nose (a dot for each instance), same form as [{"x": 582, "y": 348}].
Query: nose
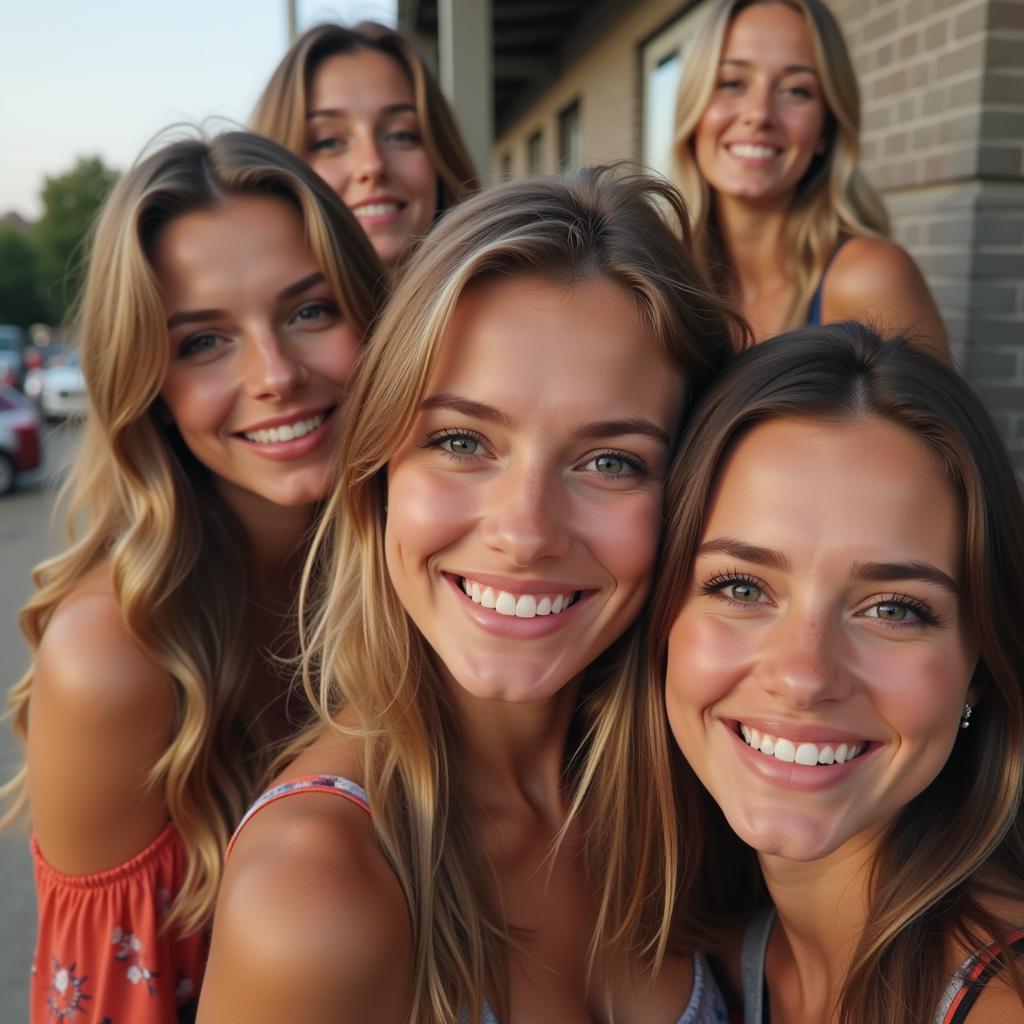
[
  {"x": 368, "y": 160},
  {"x": 757, "y": 105},
  {"x": 524, "y": 516},
  {"x": 272, "y": 370},
  {"x": 803, "y": 665}
]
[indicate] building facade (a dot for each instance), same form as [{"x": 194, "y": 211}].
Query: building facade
[{"x": 942, "y": 86}]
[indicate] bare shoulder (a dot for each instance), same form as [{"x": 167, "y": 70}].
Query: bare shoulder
[
  {"x": 999, "y": 1003},
  {"x": 101, "y": 714},
  {"x": 878, "y": 282},
  {"x": 311, "y": 922}
]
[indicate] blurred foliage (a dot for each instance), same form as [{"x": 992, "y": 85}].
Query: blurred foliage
[
  {"x": 71, "y": 203},
  {"x": 21, "y": 291}
]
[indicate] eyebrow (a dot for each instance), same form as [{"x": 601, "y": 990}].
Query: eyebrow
[
  {"x": 789, "y": 69},
  {"x": 598, "y": 429},
  {"x": 869, "y": 571},
  {"x": 194, "y": 316},
  {"x": 744, "y": 552},
  {"x": 391, "y": 108},
  {"x": 922, "y": 571}
]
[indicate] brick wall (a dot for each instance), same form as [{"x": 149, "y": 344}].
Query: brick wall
[{"x": 943, "y": 92}]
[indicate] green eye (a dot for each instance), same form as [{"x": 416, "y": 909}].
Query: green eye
[
  {"x": 745, "y": 593},
  {"x": 890, "y": 612},
  {"x": 462, "y": 445},
  {"x": 612, "y": 465}
]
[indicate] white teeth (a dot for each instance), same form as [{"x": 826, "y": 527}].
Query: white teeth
[
  {"x": 807, "y": 753},
  {"x": 287, "y": 432},
  {"x": 522, "y": 606},
  {"x": 785, "y": 750},
  {"x": 800, "y": 753},
  {"x": 376, "y": 209},
  {"x": 755, "y": 152}
]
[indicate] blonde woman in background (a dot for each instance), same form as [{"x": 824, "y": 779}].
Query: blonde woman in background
[
  {"x": 766, "y": 149},
  {"x": 363, "y": 109},
  {"x": 480, "y": 831},
  {"x": 227, "y": 294}
]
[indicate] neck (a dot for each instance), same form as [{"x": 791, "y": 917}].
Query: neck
[
  {"x": 752, "y": 235},
  {"x": 513, "y": 754},
  {"x": 822, "y": 907}
]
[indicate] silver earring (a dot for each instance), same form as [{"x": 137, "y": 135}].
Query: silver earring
[{"x": 965, "y": 716}]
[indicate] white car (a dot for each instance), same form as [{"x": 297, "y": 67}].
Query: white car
[{"x": 59, "y": 388}]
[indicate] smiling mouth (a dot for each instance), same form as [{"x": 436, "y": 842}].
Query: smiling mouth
[
  {"x": 520, "y": 606},
  {"x": 385, "y": 209},
  {"x": 287, "y": 431},
  {"x": 802, "y": 753},
  {"x": 751, "y": 151}
]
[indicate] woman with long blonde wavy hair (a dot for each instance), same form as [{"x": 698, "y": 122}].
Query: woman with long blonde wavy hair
[
  {"x": 360, "y": 104},
  {"x": 836, "y": 630},
  {"x": 767, "y": 142},
  {"x": 227, "y": 293},
  {"x": 479, "y": 830}
]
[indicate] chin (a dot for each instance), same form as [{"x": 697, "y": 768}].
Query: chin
[
  {"x": 498, "y": 680},
  {"x": 787, "y": 837}
]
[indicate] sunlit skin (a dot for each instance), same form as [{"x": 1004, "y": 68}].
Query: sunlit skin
[
  {"x": 535, "y": 466},
  {"x": 256, "y": 342},
  {"x": 823, "y": 607},
  {"x": 363, "y": 137},
  {"x": 767, "y": 95}
]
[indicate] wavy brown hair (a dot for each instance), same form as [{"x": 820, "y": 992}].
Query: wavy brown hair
[
  {"x": 833, "y": 200},
  {"x": 362, "y": 651},
  {"x": 281, "y": 110},
  {"x": 961, "y": 841},
  {"x": 139, "y": 499}
]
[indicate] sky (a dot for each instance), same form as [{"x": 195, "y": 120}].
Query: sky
[{"x": 103, "y": 77}]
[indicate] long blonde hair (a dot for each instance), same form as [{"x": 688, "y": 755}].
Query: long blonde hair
[
  {"x": 832, "y": 201},
  {"x": 961, "y": 840},
  {"x": 281, "y": 110},
  {"x": 138, "y": 498},
  {"x": 361, "y": 650}
]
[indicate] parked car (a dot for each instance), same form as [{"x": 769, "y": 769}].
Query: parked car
[
  {"x": 59, "y": 388},
  {"x": 19, "y": 436},
  {"x": 12, "y": 355}
]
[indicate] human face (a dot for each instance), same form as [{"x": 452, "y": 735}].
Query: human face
[
  {"x": 766, "y": 117},
  {"x": 533, "y": 476},
  {"x": 822, "y": 622},
  {"x": 259, "y": 350},
  {"x": 363, "y": 137}
]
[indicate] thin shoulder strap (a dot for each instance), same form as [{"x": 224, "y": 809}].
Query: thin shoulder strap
[
  {"x": 336, "y": 784},
  {"x": 755, "y": 944},
  {"x": 814, "y": 309},
  {"x": 969, "y": 982}
]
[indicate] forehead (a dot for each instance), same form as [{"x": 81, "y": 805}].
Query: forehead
[
  {"x": 348, "y": 82},
  {"x": 856, "y": 490},
  {"x": 769, "y": 33},
  {"x": 527, "y": 345},
  {"x": 245, "y": 238}
]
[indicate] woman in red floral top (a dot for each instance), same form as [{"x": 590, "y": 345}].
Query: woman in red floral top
[{"x": 225, "y": 303}]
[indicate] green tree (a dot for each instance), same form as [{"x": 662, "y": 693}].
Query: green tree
[
  {"x": 71, "y": 203},
  {"x": 21, "y": 291}
]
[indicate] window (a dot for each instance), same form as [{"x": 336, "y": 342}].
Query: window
[
  {"x": 570, "y": 140},
  {"x": 535, "y": 153},
  {"x": 662, "y": 57}
]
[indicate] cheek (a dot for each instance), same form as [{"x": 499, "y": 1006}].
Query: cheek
[
  {"x": 421, "y": 180},
  {"x": 623, "y": 536},
  {"x": 427, "y": 512},
  {"x": 197, "y": 403},
  {"x": 704, "y": 662},
  {"x": 335, "y": 358}
]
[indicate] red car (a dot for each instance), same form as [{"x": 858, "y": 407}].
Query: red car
[{"x": 19, "y": 436}]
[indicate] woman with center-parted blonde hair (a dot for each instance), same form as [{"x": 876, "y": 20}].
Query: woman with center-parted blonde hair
[
  {"x": 767, "y": 143},
  {"x": 488, "y": 545},
  {"x": 226, "y": 296},
  {"x": 362, "y": 107}
]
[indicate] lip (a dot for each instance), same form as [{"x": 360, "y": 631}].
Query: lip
[
  {"x": 803, "y": 731},
  {"x": 754, "y": 160},
  {"x": 286, "y": 419},
  {"x": 797, "y": 777},
  {"x": 381, "y": 219},
  {"x": 516, "y": 584},
  {"x": 298, "y": 447},
  {"x": 508, "y": 626}
]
